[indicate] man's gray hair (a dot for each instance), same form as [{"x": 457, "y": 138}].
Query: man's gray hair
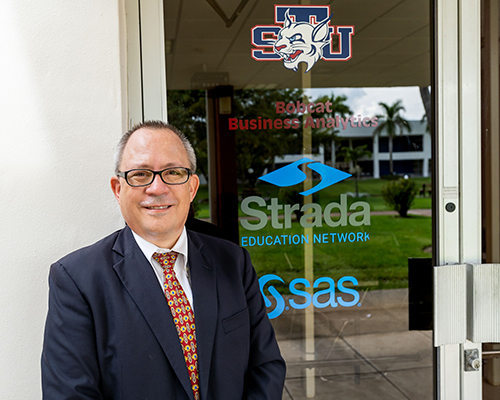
[{"x": 155, "y": 125}]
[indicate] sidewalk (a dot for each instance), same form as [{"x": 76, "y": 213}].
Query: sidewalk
[{"x": 362, "y": 352}]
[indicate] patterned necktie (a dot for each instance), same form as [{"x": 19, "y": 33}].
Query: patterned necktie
[{"x": 183, "y": 316}]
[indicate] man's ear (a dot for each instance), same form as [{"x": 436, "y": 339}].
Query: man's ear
[
  {"x": 194, "y": 184},
  {"x": 116, "y": 187}
]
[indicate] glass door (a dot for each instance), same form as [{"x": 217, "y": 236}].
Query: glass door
[
  {"x": 320, "y": 153},
  {"x": 318, "y": 161}
]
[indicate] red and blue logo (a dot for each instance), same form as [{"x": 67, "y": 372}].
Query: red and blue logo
[{"x": 303, "y": 36}]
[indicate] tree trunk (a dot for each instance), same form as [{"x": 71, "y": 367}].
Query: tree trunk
[
  {"x": 390, "y": 155},
  {"x": 356, "y": 177},
  {"x": 426, "y": 100}
]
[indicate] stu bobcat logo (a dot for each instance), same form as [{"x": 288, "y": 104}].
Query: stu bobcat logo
[{"x": 301, "y": 38}]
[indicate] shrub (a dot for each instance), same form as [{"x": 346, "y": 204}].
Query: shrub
[
  {"x": 399, "y": 195},
  {"x": 393, "y": 177}
]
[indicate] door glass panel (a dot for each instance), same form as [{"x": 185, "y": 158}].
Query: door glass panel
[{"x": 311, "y": 127}]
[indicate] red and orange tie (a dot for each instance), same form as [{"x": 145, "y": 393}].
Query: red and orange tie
[{"x": 183, "y": 316}]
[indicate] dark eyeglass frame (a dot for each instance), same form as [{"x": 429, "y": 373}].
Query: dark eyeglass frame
[{"x": 124, "y": 175}]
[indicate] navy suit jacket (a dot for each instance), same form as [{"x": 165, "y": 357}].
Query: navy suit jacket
[{"x": 110, "y": 335}]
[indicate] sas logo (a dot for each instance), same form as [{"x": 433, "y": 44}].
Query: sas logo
[
  {"x": 292, "y": 175},
  {"x": 305, "y": 36},
  {"x": 328, "y": 294}
]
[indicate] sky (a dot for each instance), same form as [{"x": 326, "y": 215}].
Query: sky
[{"x": 365, "y": 101}]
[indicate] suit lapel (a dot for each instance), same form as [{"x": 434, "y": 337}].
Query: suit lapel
[
  {"x": 140, "y": 281},
  {"x": 204, "y": 285}
]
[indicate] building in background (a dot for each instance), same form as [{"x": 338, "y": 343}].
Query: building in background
[{"x": 412, "y": 152}]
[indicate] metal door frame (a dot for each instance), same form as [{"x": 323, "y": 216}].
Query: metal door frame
[
  {"x": 146, "y": 72},
  {"x": 457, "y": 144},
  {"x": 457, "y": 52}
]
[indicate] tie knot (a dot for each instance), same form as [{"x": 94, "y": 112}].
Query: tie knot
[{"x": 166, "y": 260}]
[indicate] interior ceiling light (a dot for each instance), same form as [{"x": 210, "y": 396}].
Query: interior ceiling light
[{"x": 222, "y": 14}]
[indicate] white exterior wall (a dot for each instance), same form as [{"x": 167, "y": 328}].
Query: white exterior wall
[{"x": 62, "y": 102}]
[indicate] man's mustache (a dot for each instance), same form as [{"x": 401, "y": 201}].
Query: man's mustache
[{"x": 155, "y": 201}]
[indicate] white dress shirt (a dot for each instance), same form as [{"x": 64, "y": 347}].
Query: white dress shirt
[{"x": 181, "y": 264}]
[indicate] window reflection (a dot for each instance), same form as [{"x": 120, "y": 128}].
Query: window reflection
[{"x": 340, "y": 305}]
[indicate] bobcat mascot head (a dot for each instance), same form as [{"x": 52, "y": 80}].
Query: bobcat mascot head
[{"x": 301, "y": 42}]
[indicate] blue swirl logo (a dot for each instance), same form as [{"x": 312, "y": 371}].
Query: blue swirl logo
[
  {"x": 280, "y": 302},
  {"x": 292, "y": 175}
]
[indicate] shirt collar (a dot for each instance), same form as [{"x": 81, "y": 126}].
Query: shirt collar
[{"x": 148, "y": 248}]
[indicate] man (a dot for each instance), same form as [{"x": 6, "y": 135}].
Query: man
[{"x": 115, "y": 328}]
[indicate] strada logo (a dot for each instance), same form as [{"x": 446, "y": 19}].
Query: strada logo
[
  {"x": 305, "y": 36},
  {"x": 292, "y": 175},
  {"x": 313, "y": 214}
]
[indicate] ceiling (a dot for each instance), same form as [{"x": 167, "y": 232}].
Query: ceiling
[{"x": 390, "y": 47}]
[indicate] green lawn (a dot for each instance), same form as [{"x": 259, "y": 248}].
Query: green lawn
[{"x": 379, "y": 263}]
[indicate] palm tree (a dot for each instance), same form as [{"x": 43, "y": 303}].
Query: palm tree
[
  {"x": 392, "y": 123},
  {"x": 425, "y": 120},
  {"x": 354, "y": 154}
]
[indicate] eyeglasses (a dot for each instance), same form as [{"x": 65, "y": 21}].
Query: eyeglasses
[{"x": 145, "y": 177}]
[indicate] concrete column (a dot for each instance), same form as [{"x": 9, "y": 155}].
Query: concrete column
[
  {"x": 375, "y": 154},
  {"x": 427, "y": 149},
  {"x": 322, "y": 153},
  {"x": 334, "y": 156},
  {"x": 425, "y": 169}
]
